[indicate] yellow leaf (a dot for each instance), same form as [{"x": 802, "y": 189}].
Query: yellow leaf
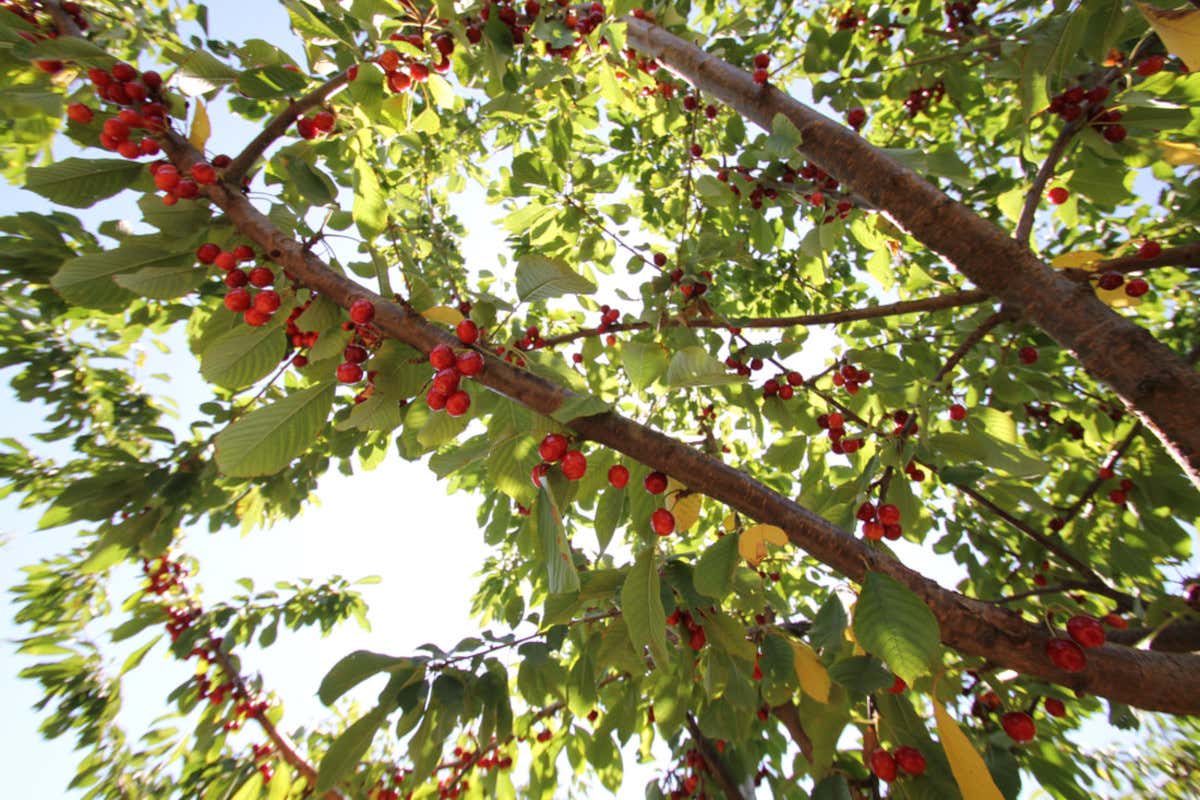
[
  {"x": 446, "y": 314},
  {"x": 730, "y": 523},
  {"x": 814, "y": 680},
  {"x": 1117, "y": 297},
  {"x": 1179, "y": 31},
  {"x": 972, "y": 774},
  {"x": 1179, "y": 153},
  {"x": 752, "y": 544},
  {"x": 201, "y": 127},
  {"x": 686, "y": 509},
  {"x": 1080, "y": 259}
]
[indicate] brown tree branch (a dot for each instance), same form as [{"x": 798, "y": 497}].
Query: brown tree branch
[
  {"x": 716, "y": 765},
  {"x": 789, "y": 715},
  {"x": 279, "y": 125},
  {"x": 1158, "y": 681},
  {"x": 1185, "y": 256},
  {"x": 937, "y": 303},
  {"x": 1034, "y": 197},
  {"x": 1152, "y": 380}
]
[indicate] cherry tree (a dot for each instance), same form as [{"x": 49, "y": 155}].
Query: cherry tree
[{"x": 698, "y": 542}]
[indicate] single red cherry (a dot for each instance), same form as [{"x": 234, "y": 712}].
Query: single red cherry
[
  {"x": 362, "y": 311},
  {"x": 349, "y": 373},
  {"x": 538, "y": 473},
  {"x": 435, "y": 400},
  {"x": 469, "y": 363},
  {"x": 762, "y": 61},
  {"x": 910, "y": 760},
  {"x": 856, "y": 117},
  {"x": 1149, "y": 249},
  {"x": 446, "y": 381},
  {"x": 1019, "y": 726},
  {"x": 441, "y": 357},
  {"x": 203, "y": 173},
  {"x": 663, "y": 522},
  {"x": 235, "y": 278},
  {"x": 355, "y": 353},
  {"x": 1115, "y": 621},
  {"x": 655, "y": 483},
  {"x": 1058, "y": 195},
  {"x": 958, "y": 412},
  {"x": 78, "y": 112},
  {"x": 873, "y": 531},
  {"x": 883, "y": 765},
  {"x": 760, "y": 76},
  {"x": 574, "y": 465},
  {"x": 1055, "y": 707},
  {"x": 238, "y": 300},
  {"x": 262, "y": 277},
  {"x": 458, "y": 403},
  {"x": 1151, "y": 65},
  {"x": 1028, "y": 354},
  {"x": 1066, "y": 655},
  {"x": 1110, "y": 280},
  {"x": 207, "y": 253},
  {"x": 1136, "y": 287},
  {"x": 898, "y": 686},
  {"x": 267, "y": 301},
  {"x": 1086, "y": 630},
  {"x": 618, "y": 475},
  {"x": 468, "y": 332},
  {"x": 889, "y": 514},
  {"x": 553, "y": 447},
  {"x": 225, "y": 261},
  {"x": 323, "y": 121}
]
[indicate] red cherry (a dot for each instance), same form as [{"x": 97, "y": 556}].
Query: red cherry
[
  {"x": 856, "y": 118},
  {"x": 123, "y": 72},
  {"x": 1066, "y": 655},
  {"x": 883, "y": 765},
  {"x": 306, "y": 129},
  {"x": 243, "y": 252},
  {"x": 910, "y": 760},
  {"x": 203, "y": 173},
  {"x": 1115, "y": 133},
  {"x": 836, "y": 421},
  {"x": 538, "y": 473},
  {"x": 167, "y": 178},
  {"x": 898, "y": 686},
  {"x": 469, "y": 363},
  {"x": 1149, "y": 250},
  {"x": 468, "y": 332},
  {"x": 889, "y": 514},
  {"x": 762, "y": 61},
  {"x": 1150, "y": 65},
  {"x": 225, "y": 261},
  {"x": 78, "y": 112},
  {"x": 873, "y": 531},
  {"x": 1028, "y": 355},
  {"x": 618, "y": 476},
  {"x": 349, "y": 373},
  {"x": 553, "y": 447},
  {"x": 207, "y": 253},
  {"x": 1136, "y": 287},
  {"x": 261, "y": 277},
  {"x": 1110, "y": 281},
  {"x": 760, "y": 76},
  {"x": 1086, "y": 630},
  {"x": 441, "y": 357},
  {"x": 446, "y": 381},
  {"x": 355, "y": 354},
  {"x": 324, "y": 121},
  {"x": 574, "y": 465},
  {"x": 1058, "y": 195},
  {"x": 1019, "y": 726},
  {"x": 656, "y": 483},
  {"x": 235, "y": 278},
  {"x": 458, "y": 403},
  {"x": 1105, "y": 473},
  {"x": 362, "y": 311},
  {"x": 237, "y": 300},
  {"x": 958, "y": 412},
  {"x": 663, "y": 522},
  {"x": 1115, "y": 621},
  {"x": 267, "y": 301},
  {"x": 1055, "y": 707},
  {"x": 152, "y": 79},
  {"x": 187, "y": 189}
]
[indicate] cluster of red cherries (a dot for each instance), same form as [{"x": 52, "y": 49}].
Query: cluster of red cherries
[
  {"x": 250, "y": 293},
  {"x": 451, "y": 368},
  {"x": 316, "y": 125},
  {"x": 696, "y": 637},
  {"x": 834, "y": 423},
  {"x": 904, "y": 759},
  {"x": 402, "y": 71},
  {"x": 880, "y": 523}
]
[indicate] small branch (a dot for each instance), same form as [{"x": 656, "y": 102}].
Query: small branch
[
  {"x": 1109, "y": 462},
  {"x": 1044, "y": 174},
  {"x": 502, "y": 645},
  {"x": 1185, "y": 256},
  {"x": 716, "y": 766},
  {"x": 937, "y": 303},
  {"x": 278, "y": 126},
  {"x": 1066, "y": 586},
  {"x": 789, "y": 715}
]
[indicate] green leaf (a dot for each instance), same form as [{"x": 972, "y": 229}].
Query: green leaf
[
  {"x": 579, "y": 405},
  {"x": 427, "y": 121},
  {"x": 80, "y": 182},
  {"x": 162, "y": 283},
  {"x": 693, "y": 366},
  {"x": 610, "y": 510},
  {"x": 834, "y": 787},
  {"x": 555, "y": 546},
  {"x": 370, "y": 203},
  {"x": 266, "y": 440},
  {"x": 714, "y": 570},
  {"x": 241, "y": 357},
  {"x": 89, "y": 279},
  {"x": 861, "y": 674},
  {"x": 379, "y": 412},
  {"x": 893, "y": 623},
  {"x": 785, "y": 138},
  {"x": 355, "y": 668},
  {"x": 314, "y": 185},
  {"x": 642, "y": 608},
  {"x": 541, "y": 278},
  {"x": 264, "y": 83},
  {"x": 348, "y": 749},
  {"x": 644, "y": 362},
  {"x": 829, "y": 625}
]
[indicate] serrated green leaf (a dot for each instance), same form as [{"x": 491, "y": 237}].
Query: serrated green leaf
[
  {"x": 370, "y": 203},
  {"x": 314, "y": 185},
  {"x": 693, "y": 366},
  {"x": 714, "y": 569},
  {"x": 894, "y": 624},
  {"x": 80, "y": 182},
  {"x": 162, "y": 283},
  {"x": 244, "y": 355},
  {"x": 274, "y": 80},
  {"x": 541, "y": 278},
  {"x": 348, "y": 749},
  {"x": 644, "y": 362},
  {"x": 89, "y": 279},
  {"x": 377, "y": 413},
  {"x": 579, "y": 405},
  {"x": 861, "y": 674},
  {"x": 642, "y": 608},
  {"x": 555, "y": 546},
  {"x": 265, "y": 440},
  {"x": 356, "y": 667}
]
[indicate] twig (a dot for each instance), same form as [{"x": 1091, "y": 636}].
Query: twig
[
  {"x": 1109, "y": 463},
  {"x": 716, "y": 766},
  {"x": 789, "y": 715},
  {"x": 1044, "y": 174},
  {"x": 1065, "y": 586},
  {"x": 278, "y": 126},
  {"x": 1187, "y": 256}
]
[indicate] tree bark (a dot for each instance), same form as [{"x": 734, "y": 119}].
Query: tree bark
[
  {"x": 1156, "y": 384},
  {"x": 1158, "y": 681}
]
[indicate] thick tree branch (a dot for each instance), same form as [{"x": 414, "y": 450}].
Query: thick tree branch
[
  {"x": 937, "y": 303},
  {"x": 716, "y": 765},
  {"x": 789, "y": 715},
  {"x": 1158, "y": 681},
  {"x": 1153, "y": 381},
  {"x": 278, "y": 126}
]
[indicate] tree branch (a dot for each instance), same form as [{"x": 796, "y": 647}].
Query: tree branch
[
  {"x": 278, "y": 126},
  {"x": 63, "y": 22},
  {"x": 1158, "y": 681},
  {"x": 1044, "y": 174},
  {"x": 1187, "y": 256},
  {"x": 789, "y": 715},
  {"x": 716, "y": 765},
  {"x": 1151, "y": 379},
  {"x": 937, "y": 303}
]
